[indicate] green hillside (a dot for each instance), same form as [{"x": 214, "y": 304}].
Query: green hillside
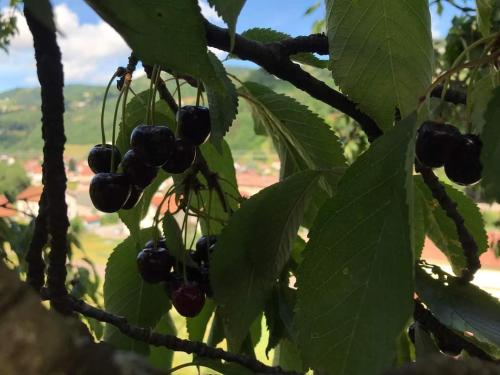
[{"x": 20, "y": 117}]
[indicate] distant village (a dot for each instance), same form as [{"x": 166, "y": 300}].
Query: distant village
[
  {"x": 79, "y": 204},
  {"x": 250, "y": 182}
]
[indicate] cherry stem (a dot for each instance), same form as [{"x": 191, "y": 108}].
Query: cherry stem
[
  {"x": 197, "y": 221},
  {"x": 103, "y": 133},
  {"x": 198, "y": 93},
  {"x": 465, "y": 54},
  {"x": 184, "y": 365},
  {"x": 114, "y": 129},
  {"x": 179, "y": 95},
  {"x": 184, "y": 230},
  {"x": 156, "y": 218},
  {"x": 150, "y": 92},
  {"x": 449, "y": 73},
  {"x": 210, "y": 195},
  {"x": 153, "y": 101},
  {"x": 126, "y": 88}
]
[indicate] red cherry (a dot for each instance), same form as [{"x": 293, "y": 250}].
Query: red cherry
[{"x": 188, "y": 299}]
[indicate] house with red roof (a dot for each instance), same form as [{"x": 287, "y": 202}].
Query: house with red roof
[{"x": 6, "y": 208}]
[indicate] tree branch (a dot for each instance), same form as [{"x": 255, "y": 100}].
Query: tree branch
[
  {"x": 314, "y": 43},
  {"x": 36, "y": 264},
  {"x": 274, "y": 58},
  {"x": 50, "y": 75},
  {"x": 450, "y": 207},
  {"x": 173, "y": 342}
]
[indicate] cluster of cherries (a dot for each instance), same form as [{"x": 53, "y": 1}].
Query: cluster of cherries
[
  {"x": 151, "y": 147},
  {"x": 443, "y": 145},
  {"x": 186, "y": 283}
]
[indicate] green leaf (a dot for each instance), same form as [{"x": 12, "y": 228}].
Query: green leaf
[
  {"x": 223, "y": 103},
  {"x": 222, "y": 162},
  {"x": 197, "y": 326},
  {"x": 358, "y": 255},
  {"x": 484, "y": 15},
  {"x": 275, "y": 326},
  {"x": 477, "y": 102},
  {"x": 305, "y": 139},
  {"x": 403, "y": 350},
  {"x": 132, "y": 218},
  {"x": 491, "y": 149},
  {"x": 126, "y": 294},
  {"x": 265, "y": 35},
  {"x": 462, "y": 308},
  {"x": 161, "y": 357},
  {"x": 418, "y": 222},
  {"x": 217, "y": 333},
  {"x": 381, "y": 53},
  {"x": 312, "y": 8},
  {"x": 252, "y": 250},
  {"x": 170, "y": 33},
  {"x": 442, "y": 230},
  {"x": 424, "y": 343},
  {"x": 287, "y": 356},
  {"x": 229, "y": 11},
  {"x": 174, "y": 241}
]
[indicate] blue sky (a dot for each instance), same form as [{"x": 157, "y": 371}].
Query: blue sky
[{"x": 92, "y": 50}]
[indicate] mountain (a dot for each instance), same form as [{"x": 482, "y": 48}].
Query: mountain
[{"x": 20, "y": 133}]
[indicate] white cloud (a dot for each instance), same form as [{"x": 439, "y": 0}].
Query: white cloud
[
  {"x": 85, "y": 48},
  {"x": 90, "y": 51}
]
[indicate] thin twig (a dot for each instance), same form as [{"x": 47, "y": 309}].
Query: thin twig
[
  {"x": 466, "y": 239},
  {"x": 163, "y": 90},
  {"x": 34, "y": 258},
  {"x": 130, "y": 69},
  {"x": 172, "y": 342}
]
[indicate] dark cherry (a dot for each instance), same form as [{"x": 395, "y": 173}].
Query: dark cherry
[
  {"x": 99, "y": 158},
  {"x": 160, "y": 243},
  {"x": 154, "y": 144},
  {"x": 464, "y": 163},
  {"x": 109, "y": 191},
  {"x": 138, "y": 173},
  {"x": 188, "y": 299},
  {"x": 154, "y": 264},
  {"x": 194, "y": 123},
  {"x": 182, "y": 157},
  {"x": 135, "y": 196},
  {"x": 435, "y": 142},
  {"x": 204, "y": 247}
]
